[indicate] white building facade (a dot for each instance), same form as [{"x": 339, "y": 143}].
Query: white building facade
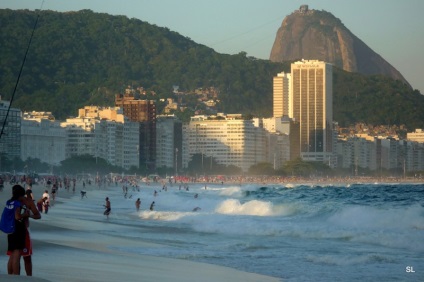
[
  {"x": 42, "y": 138},
  {"x": 413, "y": 157},
  {"x": 103, "y": 132},
  {"x": 281, "y": 94},
  {"x": 229, "y": 139},
  {"x": 278, "y": 139},
  {"x": 380, "y": 153}
]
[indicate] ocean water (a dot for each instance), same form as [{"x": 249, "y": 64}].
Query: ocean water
[{"x": 366, "y": 232}]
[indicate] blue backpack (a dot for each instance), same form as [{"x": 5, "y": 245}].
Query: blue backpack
[{"x": 7, "y": 222}]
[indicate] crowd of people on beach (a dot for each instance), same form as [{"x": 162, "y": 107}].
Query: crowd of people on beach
[
  {"x": 29, "y": 206},
  {"x": 25, "y": 206}
]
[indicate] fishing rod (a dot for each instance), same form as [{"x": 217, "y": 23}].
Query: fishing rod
[{"x": 20, "y": 72}]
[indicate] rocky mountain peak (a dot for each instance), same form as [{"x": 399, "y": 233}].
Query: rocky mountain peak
[{"x": 318, "y": 35}]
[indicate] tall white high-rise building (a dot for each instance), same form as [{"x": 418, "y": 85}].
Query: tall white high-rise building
[
  {"x": 311, "y": 104},
  {"x": 281, "y": 94}
]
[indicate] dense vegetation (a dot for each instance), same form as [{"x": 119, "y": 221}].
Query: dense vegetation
[{"x": 85, "y": 58}]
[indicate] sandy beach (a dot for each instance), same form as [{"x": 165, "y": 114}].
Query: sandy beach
[{"x": 66, "y": 249}]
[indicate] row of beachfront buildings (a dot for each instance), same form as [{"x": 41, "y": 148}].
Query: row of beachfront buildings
[{"x": 131, "y": 134}]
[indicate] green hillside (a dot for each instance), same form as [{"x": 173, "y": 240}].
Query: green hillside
[{"x": 85, "y": 58}]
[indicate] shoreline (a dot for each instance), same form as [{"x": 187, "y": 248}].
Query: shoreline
[
  {"x": 63, "y": 251},
  {"x": 308, "y": 181}
]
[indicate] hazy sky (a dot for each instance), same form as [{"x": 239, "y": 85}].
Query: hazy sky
[{"x": 392, "y": 28}]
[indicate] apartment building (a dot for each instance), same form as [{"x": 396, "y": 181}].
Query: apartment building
[
  {"x": 143, "y": 112},
  {"x": 229, "y": 139},
  {"x": 103, "y": 132},
  {"x": 10, "y": 139},
  {"x": 42, "y": 138},
  {"x": 169, "y": 142}
]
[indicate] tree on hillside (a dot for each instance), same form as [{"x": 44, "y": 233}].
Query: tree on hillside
[{"x": 85, "y": 58}]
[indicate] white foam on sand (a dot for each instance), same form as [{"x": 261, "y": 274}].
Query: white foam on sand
[{"x": 69, "y": 248}]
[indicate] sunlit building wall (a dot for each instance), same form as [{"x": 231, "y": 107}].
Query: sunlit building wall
[
  {"x": 229, "y": 139},
  {"x": 417, "y": 136},
  {"x": 103, "y": 133},
  {"x": 311, "y": 104},
  {"x": 281, "y": 94}
]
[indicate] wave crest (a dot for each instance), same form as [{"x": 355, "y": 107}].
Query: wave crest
[{"x": 254, "y": 207}]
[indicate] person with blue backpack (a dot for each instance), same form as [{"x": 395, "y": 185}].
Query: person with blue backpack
[
  {"x": 28, "y": 203},
  {"x": 13, "y": 223}
]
